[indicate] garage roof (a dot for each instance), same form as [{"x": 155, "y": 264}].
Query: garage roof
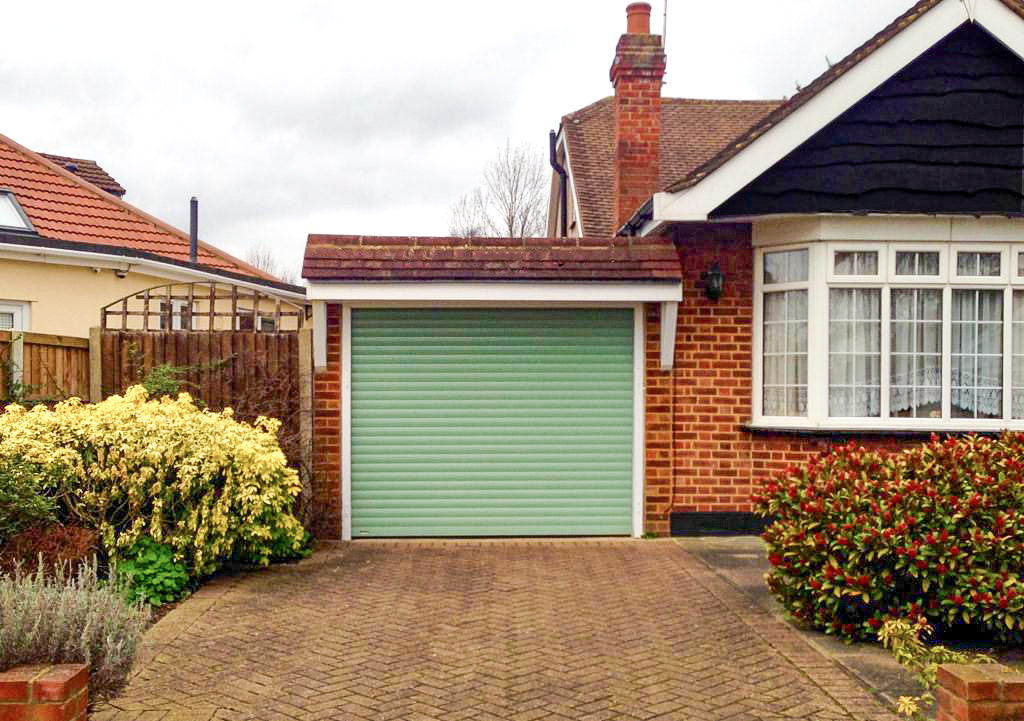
[{"x": 390, "y": 258}]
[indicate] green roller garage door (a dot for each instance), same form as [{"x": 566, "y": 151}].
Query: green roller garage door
[{"x": 488, "y": 422}]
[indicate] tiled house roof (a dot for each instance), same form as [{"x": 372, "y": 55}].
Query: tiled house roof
[
  {"x": 359, "y": 258},
  {"x": 88, "y": 170},
  {"x": 64, "y": 207},
  {"x": 692, "y": 131}
]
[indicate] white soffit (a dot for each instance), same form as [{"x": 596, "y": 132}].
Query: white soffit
[{"x": 496, "y": 293}]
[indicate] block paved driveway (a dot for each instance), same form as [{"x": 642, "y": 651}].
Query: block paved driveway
[{"x": 528, "y": 630}]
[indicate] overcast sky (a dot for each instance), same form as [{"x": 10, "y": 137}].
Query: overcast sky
[{"x": 337, "y": 116}]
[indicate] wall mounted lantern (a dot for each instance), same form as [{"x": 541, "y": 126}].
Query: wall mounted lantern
[{"x": 714, "y": 282}]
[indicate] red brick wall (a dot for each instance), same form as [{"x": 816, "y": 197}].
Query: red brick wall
[
  {"x": 327, "y": 433},
  {"x": 711, "y": 463},
  {"x": 45, "y": 693},
  {"x": 637, "y": 75}
]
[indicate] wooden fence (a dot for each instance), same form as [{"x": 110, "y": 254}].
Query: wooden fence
[
  {"x": 255, "y": 373},
  {"x": 39, "y": 367}
]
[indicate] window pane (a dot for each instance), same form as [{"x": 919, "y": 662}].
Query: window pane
[
  {"x": 9, "y": 215},
  {"x": 1020, "y": 265},
  {"x": 854, "y": 362},
  {"x": 867, "y": 263},
  {"x": 788, "y": 266},
  {"x": 846, "y": 263},
  {"x": 785, "y": 353},
  {"x": 915, "y": 336},
  {"x": 989, "y": 265},
  {"x": 977, "y": 354},
  {"x": 917, "y": 262},
  {"x": 975, "y": 264},
  {"x": 1017, "y": 394},
  {"x": 967, "y": 264},
  {"x": 6, "y": 321},
  {"x": 856, "y": 262}
]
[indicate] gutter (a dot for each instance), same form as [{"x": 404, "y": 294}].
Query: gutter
[
  {"x": 635, "y": 225},
  {"x": 37, "y": 246},
  {"x": 563, "y": 185}
]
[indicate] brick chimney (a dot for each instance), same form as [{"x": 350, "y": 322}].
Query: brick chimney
[{"x": 636, "y": 74}]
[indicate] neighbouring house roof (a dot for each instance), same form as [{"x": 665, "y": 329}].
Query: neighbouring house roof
[
  {"x": 695, "y": 174},
  {"x": 88, "y": 170},
  {"x": 66, "y": 208},
  {"x": 369, "y": 258},
  {"x": 692, "y": 131}
]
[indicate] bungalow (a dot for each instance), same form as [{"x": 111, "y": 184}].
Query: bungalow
[
  {"x": 731, "y": 288},
  {"x": 69, "y": 245}
]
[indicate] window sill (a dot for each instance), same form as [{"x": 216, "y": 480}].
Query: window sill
[{"x": 851, "y": 431}]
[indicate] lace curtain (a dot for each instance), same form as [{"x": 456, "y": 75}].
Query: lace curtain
[{"x": 976, "y": 373}]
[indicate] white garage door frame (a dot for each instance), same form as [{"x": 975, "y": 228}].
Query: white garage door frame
[{"x": 639, "y": 388}]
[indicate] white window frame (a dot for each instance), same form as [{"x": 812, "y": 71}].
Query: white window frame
[
  {"x": 1015, "y": 250},
  {"x": 916, "y": 280},
  {"x": 821, "y": 279},
  {"x": 883, "y": 262},
  {"x": 1002, "y": 279},
  {"x": 21, "y": 312}
]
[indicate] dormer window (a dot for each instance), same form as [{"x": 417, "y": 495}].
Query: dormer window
[{"x": 12, "y": 217}]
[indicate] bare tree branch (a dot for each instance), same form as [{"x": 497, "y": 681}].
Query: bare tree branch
[
  {"x": 469, "y": 217},
  {"x": 511, "y": 199},
  {"x": 262, "y": 258}
]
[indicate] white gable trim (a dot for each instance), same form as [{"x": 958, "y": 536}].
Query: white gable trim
[{"x": 698, "y": 201}]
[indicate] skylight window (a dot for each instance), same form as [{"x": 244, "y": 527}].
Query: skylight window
[{"x": 11, "y": 214}]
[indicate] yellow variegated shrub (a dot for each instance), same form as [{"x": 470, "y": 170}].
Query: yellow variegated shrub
[{"x": 207, "y": 485}]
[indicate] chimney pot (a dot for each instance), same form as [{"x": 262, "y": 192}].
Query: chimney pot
[{"x": 638, "y": 19}]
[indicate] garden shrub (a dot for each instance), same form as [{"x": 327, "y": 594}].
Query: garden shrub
[
  {"x": 200, "y": 482},
  {"x": 48, "y": 547},
  {"x": 936, "y": 531},
  {"x": 149, "y": 573},
  {"x": 70, "y": 618},
  {"x": 22, "y": 503}
]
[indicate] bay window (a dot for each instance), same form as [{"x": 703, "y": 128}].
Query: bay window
[{"x": 874, "y": 335}]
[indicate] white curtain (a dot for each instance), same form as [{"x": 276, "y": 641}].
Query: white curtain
[
  {"x": 855, "y": 376},
  {"x": 916, "y": 353},
  {"x": 977, "y": 353},
  {"x": 785, "y": 353}
]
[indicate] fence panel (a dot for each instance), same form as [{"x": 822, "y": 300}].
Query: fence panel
[
  {"x": 40, "y": 367},
  {"x": 253, "y": 373}
]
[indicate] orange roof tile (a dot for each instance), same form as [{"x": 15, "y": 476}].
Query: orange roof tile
[{"x": 65, "y": 207}]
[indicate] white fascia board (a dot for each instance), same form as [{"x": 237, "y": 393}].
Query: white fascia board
[
  {"x": 174, "y": 273},
  {"x": 779, "y": 230},
  {"x": 496, "y": 293},
  {"x": 698, "y": 201},
  {"x": 1002, "y": 23},
  {"x": 572, "y": 184}
]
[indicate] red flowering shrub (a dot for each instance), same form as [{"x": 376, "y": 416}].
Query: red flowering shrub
[{"x": 937, "y": 531}]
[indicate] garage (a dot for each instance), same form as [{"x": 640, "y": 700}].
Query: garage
[{"x": 491, "y": 421}]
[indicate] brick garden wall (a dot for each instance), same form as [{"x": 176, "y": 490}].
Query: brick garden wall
[{"x": 45, "y": 693}]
